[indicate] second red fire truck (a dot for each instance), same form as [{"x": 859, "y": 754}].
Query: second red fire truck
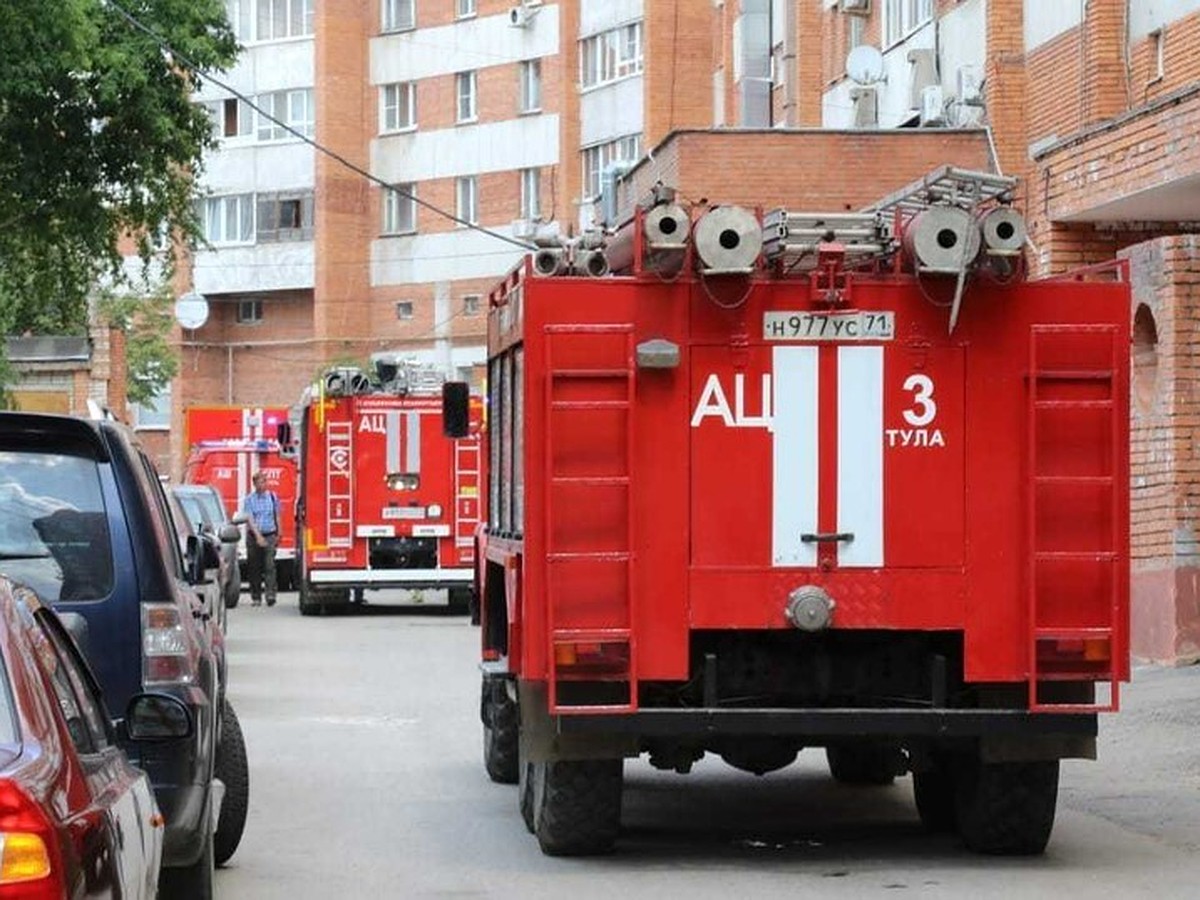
[{"x": 384, "y": 501}]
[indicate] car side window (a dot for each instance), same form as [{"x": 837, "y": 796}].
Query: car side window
[
  {"x": 87, "y": 693},
  {"x": 172, "y": 547},
  {"x": 54, "y": 667}
]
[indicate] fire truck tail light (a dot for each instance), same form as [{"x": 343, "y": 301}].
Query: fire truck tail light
[{"x": 592, "y": 657}]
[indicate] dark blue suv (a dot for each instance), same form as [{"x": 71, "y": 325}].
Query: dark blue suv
[{"x": 85, "y": 522}]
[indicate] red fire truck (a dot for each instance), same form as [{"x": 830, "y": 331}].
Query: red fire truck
[
  {"x": 228, "y": 445},
  {"x": 385, "y": 500},
  {"x": 844, "y": 481}
]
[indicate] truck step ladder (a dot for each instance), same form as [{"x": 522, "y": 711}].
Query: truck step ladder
[
  {"x": 590, "y": 373},
  {"x": 339, "y": 483},
  {"x": 466, "y": 495},
  {"x": 1074, "y": 507}
]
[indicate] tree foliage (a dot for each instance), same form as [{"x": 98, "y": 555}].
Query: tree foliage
[{"x": 99, "y": 140}]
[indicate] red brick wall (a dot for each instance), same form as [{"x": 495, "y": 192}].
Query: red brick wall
[{"x": 678, "y": 72}]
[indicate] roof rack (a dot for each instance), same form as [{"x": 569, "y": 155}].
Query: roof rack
[{"x": 947, "y": 185}]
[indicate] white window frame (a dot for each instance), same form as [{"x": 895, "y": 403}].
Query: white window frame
[
  {"x": 530, "y": 74},
  {"x": 531, "y": 193},
  {"x": 228, "y": 220},
  {"x": 466, "y": 96},
  {"x": 464, "y": 9},
  {"x": 598, "y": 157},
  {"x": 295, "y": 107},
  {"x": 391, "y": 107},
  {"x": 250, "y": 311},
  {"x": 902, "y": 17},
  {"x": 398, "y": 15},
  {"x": 154, "y": 415},
  {"x": 612, "y": 55},
  {"x": 243, "y": 113},
  {"x": 241, "y": 19},
  {"x": 400, "y": 209},
  {"x": 297, "y": 21},
  {"x": 466, "y": 199}
]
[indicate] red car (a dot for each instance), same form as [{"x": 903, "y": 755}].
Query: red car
[{"x": 76, "y": 819}]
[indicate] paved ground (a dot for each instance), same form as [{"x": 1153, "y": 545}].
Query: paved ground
[{"x": 367, "y": 782}]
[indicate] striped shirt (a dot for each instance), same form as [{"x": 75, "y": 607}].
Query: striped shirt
[{"x": 263, "y": 510}]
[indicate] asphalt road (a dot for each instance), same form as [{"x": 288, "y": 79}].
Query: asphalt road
[{"x": 367, "y": 782}]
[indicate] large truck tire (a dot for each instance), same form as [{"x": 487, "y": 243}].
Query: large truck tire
[
  {"x": 233, "y": 769},
  {"x": 1007, "y": 809},
  {"x": 861, "y": 763},
  {"x": 577, "y": 806},
  {"x": 501, "y": 728},
  {"x": 934, "y": 794},
  {"x": 307, "y": 606},
  {"x": 525, "y": 795}
]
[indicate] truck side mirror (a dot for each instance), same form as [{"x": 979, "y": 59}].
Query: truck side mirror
[
  {"x": 456, "y": 414},
  {"x": 283, "y": 433}
]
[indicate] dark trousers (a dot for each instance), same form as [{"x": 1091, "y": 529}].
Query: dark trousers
[{"x": 261, "y": 564}]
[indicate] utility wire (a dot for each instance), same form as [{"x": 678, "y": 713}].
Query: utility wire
[{"x": 166, "y": 46}]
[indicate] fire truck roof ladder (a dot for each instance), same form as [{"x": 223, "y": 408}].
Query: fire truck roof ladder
[
  {"x": 1075, "y": 511},
  {"x": 586, "y": 397},
  {"x": 793, "y": 238}
]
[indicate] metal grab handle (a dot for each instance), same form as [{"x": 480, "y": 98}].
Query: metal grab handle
[{"x": 829, "y": 537}]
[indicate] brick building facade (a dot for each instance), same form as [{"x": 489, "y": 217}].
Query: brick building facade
[{"x": 509, "y": 112}]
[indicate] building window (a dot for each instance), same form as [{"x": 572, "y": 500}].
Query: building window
[
  {"x": 466, "y": 83},
  {"x": 231, "y": 118},
  {"x": 279, "y": 19},
  {"x": 471, "y": 305},
  {"x": 249, "y": 312},
  {"x": 155, "y": 413},
  {"x": 229, "y": 219},
  {"x": 531, "y": 183},
  {"x": 464, "y": 8},
  {"x": 399, "y": 106},
  {"x": 241, "y": 18},
  {"x": 294, "y": 108},
  {"x": 404, "y": 310},
  {"x": 531, "y": 85},
  {"x": 901, "y": 17},
  {"x": 284, "y": 217},
  {"x": 400, "y": 209},
  {"x": 610, "y": 55},
  {"x": 399, "y": 15},
  {"x": 467, "y": 191},
  {"x": 599, "y": 157},
  {"x": 1157, "y": 66}
]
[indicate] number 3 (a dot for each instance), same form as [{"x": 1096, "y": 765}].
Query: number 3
[{"x": 922, "y": 388}]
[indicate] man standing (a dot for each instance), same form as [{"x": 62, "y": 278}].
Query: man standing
[{"x": 262, "y": 512}]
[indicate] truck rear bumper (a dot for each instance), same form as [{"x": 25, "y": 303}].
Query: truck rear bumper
[
  {"x": 392, "y": 577},
  {"x": 824, "y": 723}
]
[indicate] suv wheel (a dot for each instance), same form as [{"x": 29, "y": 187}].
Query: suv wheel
[{"x": 234, "y": 771}]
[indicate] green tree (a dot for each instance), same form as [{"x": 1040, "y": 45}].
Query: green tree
[{"x": 99, "y": 139}]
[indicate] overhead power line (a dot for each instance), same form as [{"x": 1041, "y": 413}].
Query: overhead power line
[{"x": 166, "y": 46}]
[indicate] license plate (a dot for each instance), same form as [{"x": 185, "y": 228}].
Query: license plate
[
  {"x": 404, "y": 512},
  {"x": 831, "y": 326}
]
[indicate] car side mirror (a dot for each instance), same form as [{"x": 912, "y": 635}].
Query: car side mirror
[
  {"x": 157, "y": 717},
  {"x": 239, "y": 518},
  {"x": 202, "y": 556},
  {"x": 229, "y": 534},
  {"x": 456, "y": 414}
]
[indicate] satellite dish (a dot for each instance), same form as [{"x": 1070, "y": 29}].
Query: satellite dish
[
  {"x": 191, "y": 311},
  {"x": 864, "y": 64}
]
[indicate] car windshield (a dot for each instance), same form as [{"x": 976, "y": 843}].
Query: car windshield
[{"x": 53, "y": 529}]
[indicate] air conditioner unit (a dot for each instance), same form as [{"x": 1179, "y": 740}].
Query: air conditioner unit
[
  {"x": 866, "y": 107},
  {"x": 924, "y": 73},
  {"x": 521, "y": 15},
  {"x": 933, "y": 106},
  {"x": 855, "y": 7},
  {"x": 524, "y": 229},
  {"x": 970, "y": 86}
]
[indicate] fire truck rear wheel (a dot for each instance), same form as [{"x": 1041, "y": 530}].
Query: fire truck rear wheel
[
  {"x": 933, "y": 792},
  {"x": 525, "y": 795},
  {"x": 860, "y": 763},
  {"x": 1007, "y": 809},
  {"x": 577, "y": 806},
  {"x": 501, "y": 725}
]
